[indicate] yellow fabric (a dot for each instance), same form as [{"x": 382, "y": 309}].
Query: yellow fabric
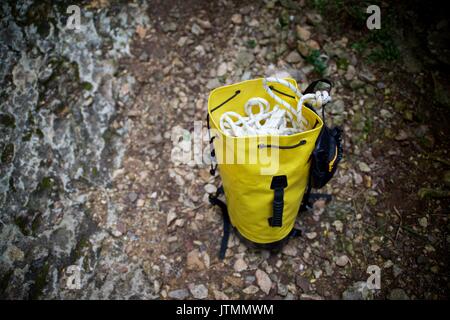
[{"x": 247, "y": 191}]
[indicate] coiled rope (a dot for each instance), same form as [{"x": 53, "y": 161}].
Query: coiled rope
[{"x": 281, "y": 120}]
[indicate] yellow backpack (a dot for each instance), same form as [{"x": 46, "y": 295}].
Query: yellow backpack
[{"x": 264, "y": 178}]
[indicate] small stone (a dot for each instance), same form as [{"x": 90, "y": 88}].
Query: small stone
[
  {"x": 222, "y": 70},
  {"x": 385, "y": 114},
  {"x": 179, "y": 294},
  {"x": 244, "y": 58},
  {"x": 253, "y": 23},
  {"x": 318, "y": 273},
  {"x": 402, "y": 135},
  {"x": 169, "y": 27},
  {"x": 367, "y": 75},
  {"x": 140, "y": 203},
  {"x": 368, "y": 181},
  {"x": 350, "y": 74},
  {"x": 219, "y": 295},
  {"x": 342, "y": 261},
  {"x": 252, "y": 289},
  {"x": 282, "y": 289},
  {"x": 213, "y": 83},
  {"x": 303, "y": 283},
  {"x": 193, "y": 261},
  {"x": 236, "y": 18},
  {"x": 263, "y": 281},
  {"x": 338, "y": 225},
  {"x": 303, "y": 33},
  {"x": 314, "y": 18},
  {"x": 311, "y": 235},
  {"x": 423, "y": 222},
  {"x": 182, "y": 41},
  {"x": 171, "y": 216},
  {"x": 396, "y": 270},
  {"x": 240, "y": 265},
  {"x": 290, "y": 250},
  {"x": 210, "y": 188},
  {"x": 313, "y": 44},
  {"x": 303, "y": 49},
  {"x": 198, "y": 291},
  {"x": 338, "y": 107},
  {"x": 357, "y": 178},
  {"x": 205, "y": 24},
  {"x": 15, "y": 254},
  {"x": 305, "y": 296},
  {"x": 356, "y": 84},
  {"x": 364, "y": 167},
  {"x": 358, "y": 291},
  {"x": 398, "y": 294},
  {"x": 246, "y": 75},
  {"x": 293, "y": 57},
  {"x": 116, "y": 233},
  {"x": 196, "y": 29},
  {"x": 132, "y": 196}
]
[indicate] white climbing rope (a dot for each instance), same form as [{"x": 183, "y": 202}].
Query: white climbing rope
[{"x": 278, "y": 121}]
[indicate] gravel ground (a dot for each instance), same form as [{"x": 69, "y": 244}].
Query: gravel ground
[{"x": 87, "y": 170}]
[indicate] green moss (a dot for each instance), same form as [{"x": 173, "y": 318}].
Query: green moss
[
  {"x": 317, "y": 62},
  {"x": 342, "y": 63},
  {"x": 87, "y": 86},
  {"x": 251, "y": 43},
  {"x": 35, "y": 224},
  {"x": 27, "y": 136},
  {"x": 8, "y": 153},
  {"x": 39, "y": 282},
  {"x": 22, "y": 223},
  {"x": 7, "y": 120},
  {"x": 39, "y": 133},
  {"x": 12, "y": 185},
  {"x": 78, "y": 252},
  {"x": 4, "y": 281},
  {"x": 46, "y": 184}
]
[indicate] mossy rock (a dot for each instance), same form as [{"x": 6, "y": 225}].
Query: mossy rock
[
  {"x": 8, "y": 154},
  {"x": 7, "y": 120},
  {"x": 40, "y": 282}
]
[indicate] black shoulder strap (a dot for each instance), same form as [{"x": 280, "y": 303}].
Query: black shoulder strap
[
  {"x": 312, "y": 86},
  {"x": 214, "y": 200}
]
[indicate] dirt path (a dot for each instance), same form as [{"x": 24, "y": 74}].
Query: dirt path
[{"x": 155, "y": 234}]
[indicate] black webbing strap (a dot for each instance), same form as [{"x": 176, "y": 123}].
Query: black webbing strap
[
  {"x": 312, "y": 85},
  {"x": 213, "y": 168},
  {"x": 278, "y": 184},
  {"x": 214, "y": 200},
  {"x": 309, "y": 198}
]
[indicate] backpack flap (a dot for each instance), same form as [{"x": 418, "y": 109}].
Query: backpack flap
[
  {"x": 326, "y": 156},
  {"x": 328, "y": 150}
]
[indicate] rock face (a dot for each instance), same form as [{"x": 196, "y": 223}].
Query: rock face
[
  {"x": 60, "y": 94},
  {"x": 100, "y": 171}
]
